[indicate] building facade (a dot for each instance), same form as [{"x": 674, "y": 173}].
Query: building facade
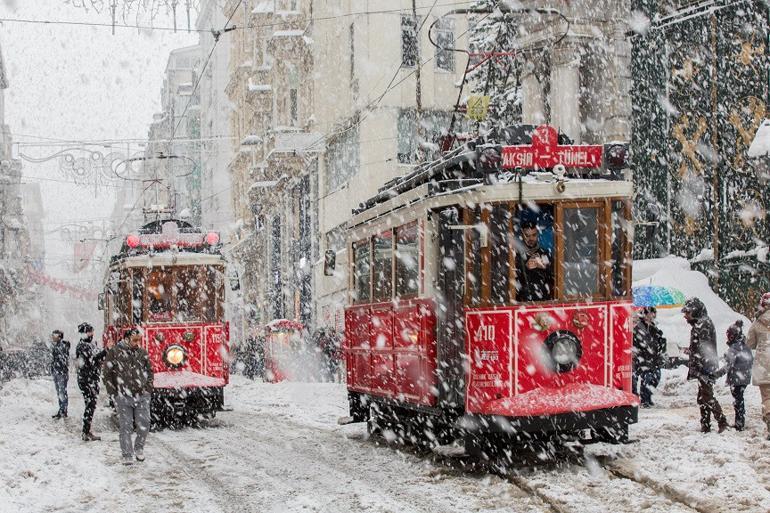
[
  {"x": 700, "y": 92},
  {"x": 20, "y": 241}
]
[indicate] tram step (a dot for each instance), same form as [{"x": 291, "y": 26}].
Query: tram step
[{"x": 344, "y": 421}]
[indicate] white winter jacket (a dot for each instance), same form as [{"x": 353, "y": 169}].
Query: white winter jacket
[{"x": 759, "y": 340}]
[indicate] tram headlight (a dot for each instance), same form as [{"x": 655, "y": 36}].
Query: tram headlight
[
  {"x": 565, "y": 350},
  {"x": 175, "y": 356}
]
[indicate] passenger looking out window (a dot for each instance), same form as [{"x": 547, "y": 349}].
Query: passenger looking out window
[{"x": 534, "y": 266}]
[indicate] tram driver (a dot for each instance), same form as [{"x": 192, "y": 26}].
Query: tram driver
[{"x": 534, "y": 267}]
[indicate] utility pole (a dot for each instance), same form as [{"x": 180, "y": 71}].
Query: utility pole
[{"x": 418, "y": 92}]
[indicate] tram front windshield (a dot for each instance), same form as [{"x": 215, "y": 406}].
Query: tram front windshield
[{"x": 181, "y": 294}]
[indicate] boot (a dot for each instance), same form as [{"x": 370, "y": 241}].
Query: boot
[
  {"x": 723, "y": 425},
  {"x": 705, "y": 420},
  {"x": 90, "y": 437},
  {"x": 57, "y": 416}
]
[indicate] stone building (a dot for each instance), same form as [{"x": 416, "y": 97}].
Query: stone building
[
  {"x": 215, "y": 112},
  {"x": 172, "y": 154},
  {"x": 275, "y": 152},
  {"x": 18, "y": 298}
]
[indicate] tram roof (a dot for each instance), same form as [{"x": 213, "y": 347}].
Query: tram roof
[
  {"x": 434, "y": 195},
  {"x": 168, "y": 259}
]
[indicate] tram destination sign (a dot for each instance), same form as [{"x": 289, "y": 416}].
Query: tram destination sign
[{"x": 546, "y": 152}]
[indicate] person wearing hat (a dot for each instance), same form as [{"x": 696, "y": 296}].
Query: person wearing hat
[
  {"x": 758, "y": 339},
  {"x": 738, "y": 369},
  {"x": 649, "y": 354},
  {"x": 60, "y": 366},
  {"x": 89, "y": 360},
  {"x": 704, "y": 362}
]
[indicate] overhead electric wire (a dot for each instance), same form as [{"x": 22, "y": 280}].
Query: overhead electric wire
[{"x": 197, "y": 30}]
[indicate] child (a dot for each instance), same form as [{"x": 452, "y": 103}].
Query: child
[{"x": 738, "y": 369}]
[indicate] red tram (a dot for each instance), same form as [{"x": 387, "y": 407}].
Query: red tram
[
  {"x": 488, "y": 300},
  {"x": 282, "y": 338},
  {"x": 168, "y": 280}
]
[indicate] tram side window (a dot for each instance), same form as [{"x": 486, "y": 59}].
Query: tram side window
[
  {"x": 473, "y": 268},
  {"x": 137, "y": 295},
  {"x": 208, "y": 295},
  {"x": 186, "y": 288},
  {"x": 159, "y": 295},
  {"x": 500, "y": 252},
  {"x": 407, "y": 260},
  {"x": 382, "y": 285},
  {"x": 581, "y": 251},
  {"x": 621, "y": 226},
  {"x": 534, "y": 244},
  {"x": 122, "y": 309},
  {"x": 362, "y": 272}
]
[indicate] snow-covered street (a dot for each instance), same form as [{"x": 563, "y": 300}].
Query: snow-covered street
[{"x": 280, "y": 450}]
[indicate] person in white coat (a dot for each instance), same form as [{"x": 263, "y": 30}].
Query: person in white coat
[{"x": 758, "y": 339}]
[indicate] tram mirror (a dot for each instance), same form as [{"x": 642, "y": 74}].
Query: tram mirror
[
  {"x": 330, "y": 262},
  {"x": 100, "y": 301}
]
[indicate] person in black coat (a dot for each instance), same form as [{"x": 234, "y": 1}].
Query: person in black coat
[
  {"x": 89, "y": 361},
  {"x": 704, "y": 362},
  {"x": 649, "y": 353},
  {"x": 60, "y": 366},
  {"x": 534, "y": 270},
  {"x": 739, "y": 361}
]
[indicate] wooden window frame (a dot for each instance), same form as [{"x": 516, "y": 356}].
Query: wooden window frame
[{"x": 353, "y": 261}]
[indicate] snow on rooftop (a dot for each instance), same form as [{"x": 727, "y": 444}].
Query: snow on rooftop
[
  {"x": 760, "y": 146},
  {"x": 288, "y": 33},
  {"x": 258, "y": 88},
  {"x": 264, "y": 7},
  {"x": 250, "y": 140}
]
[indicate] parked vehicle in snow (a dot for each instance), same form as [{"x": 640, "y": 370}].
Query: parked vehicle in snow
[
  {"x": 168, "y": 281},
  {"x": 490, "y": 295}
]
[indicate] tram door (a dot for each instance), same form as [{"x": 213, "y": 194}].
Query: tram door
[{"x": 450, "y": 311}]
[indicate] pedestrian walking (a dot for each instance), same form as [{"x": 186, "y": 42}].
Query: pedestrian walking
[
  {"x": 758, "y": 339},
  {"x": 89, "y": 361},
  {"x": 60, "y": 367},
  {"x": 128, "y": 379},
  {"x": 704, "y": 362},
  {"x": 649, "y": 353},
  {"x": 738, "y": 370}
]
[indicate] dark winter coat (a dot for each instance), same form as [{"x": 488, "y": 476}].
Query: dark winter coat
[
  {"x": 89, "y": 362},
  {"x": 739, "y": 361},
  {"x": 127, "y": 371},
  {"x": 649, "y": 347},
  {"x": 704, "y": 359},
  {"x": 533, "y": 284},
  {"x": 60, "y": 358}
]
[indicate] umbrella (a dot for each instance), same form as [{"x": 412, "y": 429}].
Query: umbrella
[{"x": 657, "y": 295}]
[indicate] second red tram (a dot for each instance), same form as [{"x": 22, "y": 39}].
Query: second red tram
[
  {"x": 486, "y": 300},
  {"x": 168, "y": 281}
]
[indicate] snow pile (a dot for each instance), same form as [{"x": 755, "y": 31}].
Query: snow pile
[{"x": 675, "y": 272}]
